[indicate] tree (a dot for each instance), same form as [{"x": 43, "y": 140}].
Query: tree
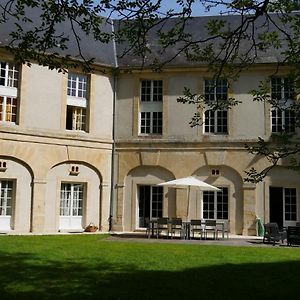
[{"x": 227, "y": 48}]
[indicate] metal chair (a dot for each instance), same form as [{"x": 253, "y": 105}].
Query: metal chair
[
  {"x": 175, "y": 225},
  {"x": 197, "y": 227},
  {"x": 162, "y": 225},
  {"x": 210, "y": 226},
  {"x": 151, "y": 227},
  {"x": 272, "y": 233},
  {"x": 224, "y": 228}
]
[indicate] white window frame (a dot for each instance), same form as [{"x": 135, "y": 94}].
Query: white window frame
[
  {"x": 5, "y": 115},
  {"x": 151, "y": 108},
  {"x": 277, "y": 114},
  {"x": 77, "y": 102},
  {"x": 11, "y": 77},
  {"x": 212, "y": 118},
  {"x": 70, "y": 200},
  {"x": 285, "y": 196},
  {"x": 9, "y": 90},
  {"x": 215, "y": 203},
  {"x": 5, "y": 201},
  {"x": 80, "y": 88}
]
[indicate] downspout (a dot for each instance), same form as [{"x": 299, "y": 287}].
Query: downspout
[
  {"x": 113, "y": 153},
  {"x": 112, "y": 188}
]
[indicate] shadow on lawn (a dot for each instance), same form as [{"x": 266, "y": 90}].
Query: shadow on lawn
[{"x": 25, "y": 277}]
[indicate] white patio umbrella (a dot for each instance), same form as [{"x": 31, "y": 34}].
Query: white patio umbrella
[{"x": 188, "y": 183}]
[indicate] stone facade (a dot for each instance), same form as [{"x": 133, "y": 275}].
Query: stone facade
[
  {"x": 104, "y": 169},
  {"x": 180, "y": 151},
  {"x": 39, "y": 153}
]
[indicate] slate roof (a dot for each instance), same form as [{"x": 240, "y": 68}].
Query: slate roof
[
  {"x": 111, "y": 54},
  {"x": 197, "y": 28},
  {"x": 104, "y": 54}
]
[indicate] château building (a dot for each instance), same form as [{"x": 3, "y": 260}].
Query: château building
[{"x": 78, "y": 148}]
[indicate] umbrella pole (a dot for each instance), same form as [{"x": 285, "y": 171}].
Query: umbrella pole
[{"x": 188, "y": 204}]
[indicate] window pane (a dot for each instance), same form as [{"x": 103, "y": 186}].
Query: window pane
[
  {"x": 157, "y": 90},
  {"x": 276, "y": 89},
  {"x": 71, "y": 199},
  {"x": 1, "y": 108},
  {"x": 11, "y": 110},
  {"x": 288, "y": 89},
  {"x": 208, "y": 205},
  {"x": 221, "y": 90},
  {"x": 289, "y": 120},
  {"x": 77, "y": 85},
  {"x": 290, "y": 204},
  {"x": 9, "y": 74},
  {"x": 209, "y": 121},
  {"x": 2, "y": 73},
  {"x": 222, "y": 203},
  {"x": 276, "y": 120},
  {"x": 145, "y": 122},
  {"x": 146, "y": 90},
  {"x": 157, "y": 123},
  {"x": 222, "y": 121},
  {"x": 6, "y": 197}
]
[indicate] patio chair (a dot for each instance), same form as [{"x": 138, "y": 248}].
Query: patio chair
[
  {"x": 150, "y": 227},
  {"x": 223, "y": 229},
  {"x": 161, "y": 226},
  {"x": 197, "y": 227},
  {"x": 272, "y": 233},
  {"x": 210, "y": 226},
  {"x": 175, "y": 225},
  {"x": 293, "y": 235}
]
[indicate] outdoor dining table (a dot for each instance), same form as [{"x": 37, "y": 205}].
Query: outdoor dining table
[
  {"x": 185, "y": 231},
  {"x": 186, "y": 228},
  {"x": 187, "y": 224}
]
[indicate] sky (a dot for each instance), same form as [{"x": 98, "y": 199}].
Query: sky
[{"x": 198, "y": 9}]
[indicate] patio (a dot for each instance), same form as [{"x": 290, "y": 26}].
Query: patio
[{"x": 233, "y": 240}]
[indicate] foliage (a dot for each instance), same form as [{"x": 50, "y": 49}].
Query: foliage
[{"x": 226, "y": 48}]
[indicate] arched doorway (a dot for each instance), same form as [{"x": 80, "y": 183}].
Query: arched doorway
[
  {"x": 226, "y": 204},
  {"x": 144, "y": 199},
  {"x": 72, "y": 197}
]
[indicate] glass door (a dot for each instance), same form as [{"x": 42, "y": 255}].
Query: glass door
[
  {"x": 150, "y": 204},
  {"x": 6, "y": 200},
  {"x": 71, "y": 205}
]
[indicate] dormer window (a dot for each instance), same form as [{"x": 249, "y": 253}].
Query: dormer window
[
  {"x": 9, "y": 75},
  {"x": 151, "y": 107},
  {"x": 77, "y": 102},
  {"x": 216, "y": 121},
  {"x": 282, "y": 115}
]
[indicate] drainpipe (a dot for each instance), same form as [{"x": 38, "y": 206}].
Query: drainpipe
[{"x": 113, "y": 153}]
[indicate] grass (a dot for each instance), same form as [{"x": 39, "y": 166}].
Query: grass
[{"x": 91, "y": 267}]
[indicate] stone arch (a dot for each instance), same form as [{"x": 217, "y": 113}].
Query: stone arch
[
  {"x": 280, "y": 177},
  {"x": 230, "y": 178},
  {"x": 20, "y": 175},
  {"x": 91, "y": 179},
  {"x": 70, "y": 162},
  {"x": 145, "y": 175}
]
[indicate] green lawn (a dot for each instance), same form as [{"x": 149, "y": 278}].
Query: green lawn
[{"x": 91, "y": 267}]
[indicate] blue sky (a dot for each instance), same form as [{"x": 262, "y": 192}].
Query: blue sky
[{"x": 198, "y": 9}]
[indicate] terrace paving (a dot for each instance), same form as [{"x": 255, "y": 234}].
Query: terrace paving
[{"x": 233, "y": 240}]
